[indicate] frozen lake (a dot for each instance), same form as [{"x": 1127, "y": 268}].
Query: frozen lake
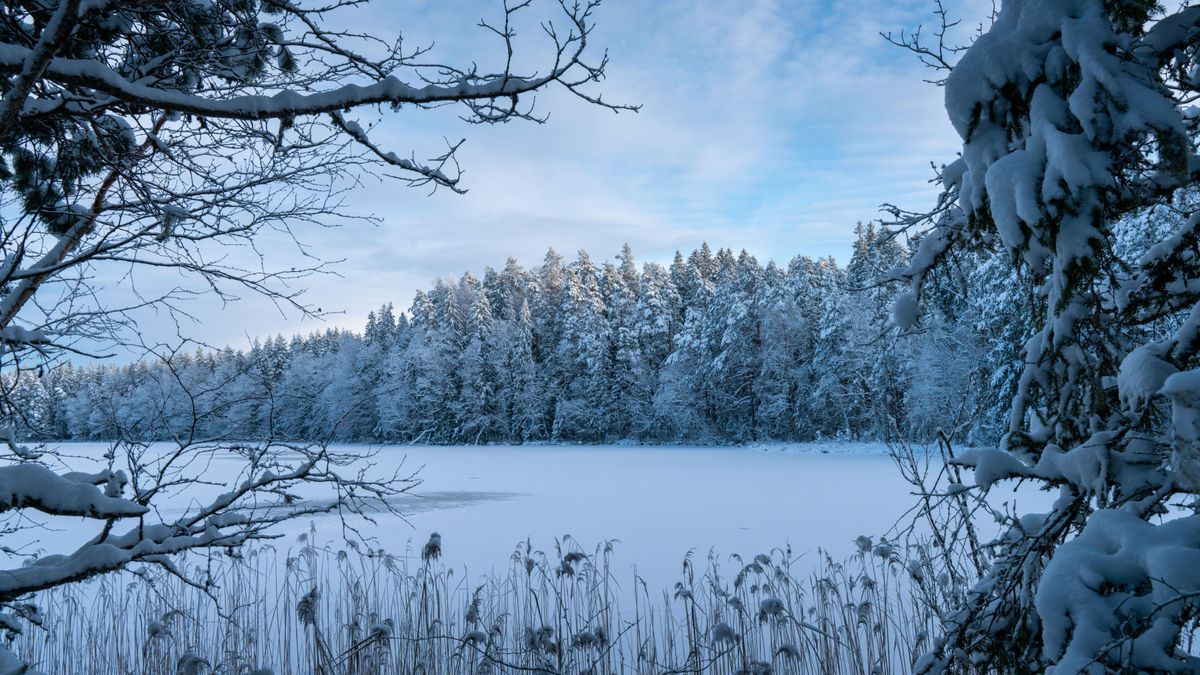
[{"x": 658, "y": 502}]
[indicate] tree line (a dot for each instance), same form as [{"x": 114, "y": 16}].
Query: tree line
[{"x": 713, "y": 348}]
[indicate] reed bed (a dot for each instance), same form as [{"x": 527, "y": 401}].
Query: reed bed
[{"x": 353, "y": 611}]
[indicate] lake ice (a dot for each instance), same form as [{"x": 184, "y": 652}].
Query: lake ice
[{"x": 658, "y": 502}]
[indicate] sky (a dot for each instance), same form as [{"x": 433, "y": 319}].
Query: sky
[{"x": 766, "y": 125}]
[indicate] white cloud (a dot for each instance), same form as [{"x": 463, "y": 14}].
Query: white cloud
[{"x": 771, "y": 125}]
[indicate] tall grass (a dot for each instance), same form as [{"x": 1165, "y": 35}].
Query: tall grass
[{"x": 352, "y": 611}]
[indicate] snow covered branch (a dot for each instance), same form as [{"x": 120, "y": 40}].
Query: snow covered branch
[
  {"x": 264, "y": 495},
  {"x": 1079, "y": 165}
]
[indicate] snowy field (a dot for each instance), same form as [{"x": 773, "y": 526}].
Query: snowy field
[{"x": 658, "y": 502}]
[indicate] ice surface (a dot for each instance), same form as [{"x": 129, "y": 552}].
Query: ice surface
[{"x": 659, "y": 502}]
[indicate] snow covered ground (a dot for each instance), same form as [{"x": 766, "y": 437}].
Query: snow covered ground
[
  {"x": 823, "y": 448},
  {"x": 658, "y": 502}
]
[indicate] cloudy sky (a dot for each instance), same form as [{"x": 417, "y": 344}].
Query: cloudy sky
[{"x": 768, "y": 125}]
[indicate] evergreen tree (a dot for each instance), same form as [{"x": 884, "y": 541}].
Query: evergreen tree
[
  {"x": 584, "y": 356},
  {"x": 477, "y": 409}
]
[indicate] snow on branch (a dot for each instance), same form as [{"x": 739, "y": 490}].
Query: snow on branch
[
  {"x": 247, "y": 511},
  {"x": 1121, "y": 572},
  {"x": 992, "y": 466},
  {"x": 428, "y": 174},
  {"x": 33, "y": 486},
  {"x": 285, "y": 104}
]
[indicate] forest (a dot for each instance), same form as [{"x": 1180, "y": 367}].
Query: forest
[{"x": 716, "y": 348}]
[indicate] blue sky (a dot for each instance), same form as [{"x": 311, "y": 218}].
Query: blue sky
[{"x": 769, "y": 125}]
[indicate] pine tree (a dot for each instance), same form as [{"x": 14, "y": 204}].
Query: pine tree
[
  {"x": 522, "y": 405},
  {"x": 477, "y": 409},
  {"x": 878, "y": 377},
  {"x": 737, "y": 342},
  {"x": 784, "y": 327},
  {"x": 620, "y": 304},
  {"x": 547, "y": 313},
  {"x": 584, "y": 355}
]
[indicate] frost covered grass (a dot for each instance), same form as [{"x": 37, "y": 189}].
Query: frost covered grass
[{"x": 319, "y": 609}]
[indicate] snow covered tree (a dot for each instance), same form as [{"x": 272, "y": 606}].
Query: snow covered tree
[
  {"x": 874, "y": 370},
  {"x": 1076, "y": 125},
  {"x": 657, "y": 321},
  {"x": 477, "y": 412},
  {"x": 545, "y": 308},
  {"x": 520, "y": 398},
  {"x": 836, "y": 402},
  {"x": 619, "y": 295},
  {"x": 955, "y": 380},
  {"x": 683, "y": 403},
  {"x": 583, "y": 355},
  {"x": 344, "y": 404},
  {"x": 784, "y": 332},
  {"x": 737, "y": 334}
]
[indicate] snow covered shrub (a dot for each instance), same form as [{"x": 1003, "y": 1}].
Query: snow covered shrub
[{"x": 1078, "y": 165}]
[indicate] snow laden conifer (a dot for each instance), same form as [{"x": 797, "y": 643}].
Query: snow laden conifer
[
  {"x": 524, "y": 406},
  {"x": 737, "y": 341},
  {"x": 875, "y": 370},
  {"x": 583, "y": 353},
  {"x": 478, "y": 362},
  {"x": 1075, "y": 126},
  {"x": 619, "y": 291}
]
